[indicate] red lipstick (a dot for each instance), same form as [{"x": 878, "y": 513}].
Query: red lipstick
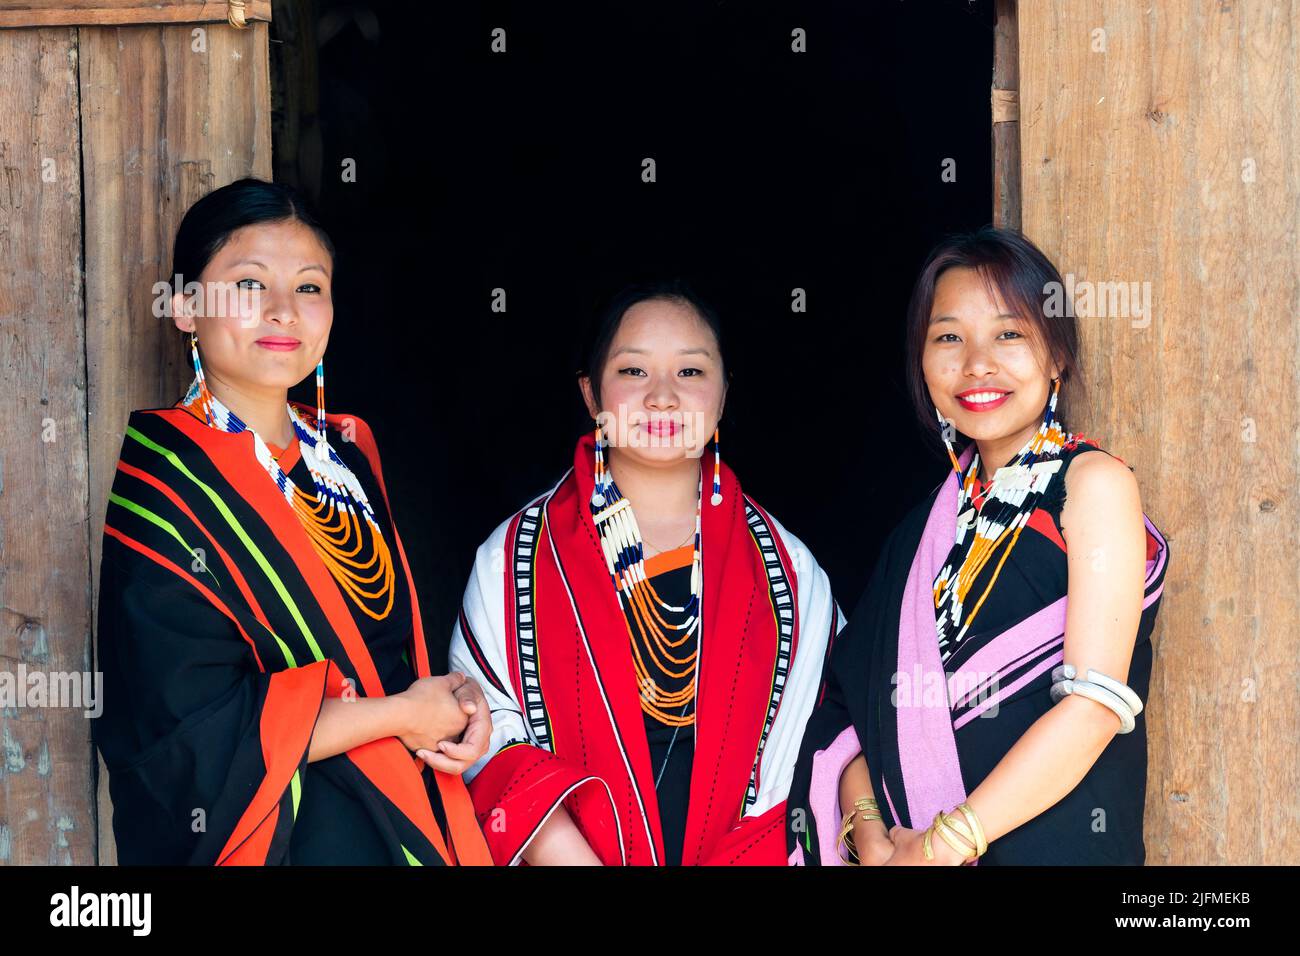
[
  {"x": 982, "y": 399},
  {"x": 278, "y": 343},
  {"x": 662, "y": 428}
]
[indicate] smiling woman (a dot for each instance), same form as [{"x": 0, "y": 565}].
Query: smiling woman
[
  {"x": 1024, "y": 595},
  {"x": 266, "y": 676},
  {"x": 650, "y": 650}
]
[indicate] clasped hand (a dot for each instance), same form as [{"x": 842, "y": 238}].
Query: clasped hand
[{"x": 447, "y": 723}]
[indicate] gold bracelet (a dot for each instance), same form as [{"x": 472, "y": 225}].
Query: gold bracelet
[
  {"x": 977, "y": 830},
  {"x": 846, "y": 827},
  {"x": 868, "y": 809},
  {"x": 953, "y": 837},
  {"x": 952, "y": 829},
  {"x": 971, "y": 831},
  {"x": 937, "y": 826},
  {"x": 927, "y": 845}
]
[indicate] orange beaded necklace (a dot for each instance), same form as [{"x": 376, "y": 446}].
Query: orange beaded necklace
[{"x": 329, "y": 514}]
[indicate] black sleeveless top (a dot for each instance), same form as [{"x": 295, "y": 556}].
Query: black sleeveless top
[{"x": 1100, "y": 821}]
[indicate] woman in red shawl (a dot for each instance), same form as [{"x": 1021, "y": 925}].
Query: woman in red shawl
[{"x": 649, "y": 639}]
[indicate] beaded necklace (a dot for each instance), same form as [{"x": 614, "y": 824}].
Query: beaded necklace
[
  {"x": 328, "y": 515},
  {"x": 1009, "y": 499},
  {"x": 655, "y": 618}
]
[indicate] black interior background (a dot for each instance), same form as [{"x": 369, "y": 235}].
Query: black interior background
[{"x": 522, "y": 171}]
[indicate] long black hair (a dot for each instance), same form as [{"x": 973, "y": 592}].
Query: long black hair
[{"x": 210, "y": 222}]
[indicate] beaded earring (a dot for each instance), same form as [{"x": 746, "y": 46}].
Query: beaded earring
[
  {"x": 602, "y": 475},
  {"x": 717, "y": 471},
  {"x": 204, "y": 395},
  {"x": 322, "y": 440}
]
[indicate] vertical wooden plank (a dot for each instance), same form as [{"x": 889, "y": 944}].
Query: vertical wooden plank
[
  {"x": 170, "y": 113},
  {"x": 46, "y": 809},
  {"x": 1160, "y": 146},
  {"x": 1006, "y": 117}
]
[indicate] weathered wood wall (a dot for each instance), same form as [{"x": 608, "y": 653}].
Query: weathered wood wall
[
  {"x": 1160, "y": 143},
  {"x": 1162, "y": 149},
  {"x": 162, "y": 113},
  {"x": 46, "y": 806}
]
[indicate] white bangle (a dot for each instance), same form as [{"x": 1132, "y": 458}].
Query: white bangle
[
  {"x": 1123, "y": 691},
  {"x": 1101, "y": 695}
]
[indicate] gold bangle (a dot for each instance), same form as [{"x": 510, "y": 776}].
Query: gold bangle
[
  {"x": 977, "y": 830},
  {"x": 970, "y": 830},
  {"x": 955, "y": 824},
  {"x": 952, "y": 829},
  {"x": 952, "y": 837},
  {"x": 938, "y": 826},
  {"x": 868, "y": 809},
  {"x": 846, "y": 827},
  {"x": 846, "y": 824}
]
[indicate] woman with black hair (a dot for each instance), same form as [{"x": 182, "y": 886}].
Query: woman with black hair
[
  {"x": 265, "y": 671},
  {"x": 648, "y": 637},
  {"x": 985, "y": 701}
]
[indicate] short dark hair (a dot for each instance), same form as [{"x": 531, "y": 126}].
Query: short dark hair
[
  {"x": 1022, "y": 275},
  {"x": 210, "y": 222},
  {"x": 611, "y": 318}
]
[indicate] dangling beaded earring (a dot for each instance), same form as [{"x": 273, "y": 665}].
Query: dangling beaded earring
[
  {"x": 602, "y": 475},
  {"x": 717, "y": 471},
  {"x": 322, "y": 441},
  {"x": 944, "y": 428},
  {"x": 204, "y": 394},
  {"x": 1050, "y": 417}
]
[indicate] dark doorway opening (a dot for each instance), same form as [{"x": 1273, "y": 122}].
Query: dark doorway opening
[{"x": 776, "y": 170}]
